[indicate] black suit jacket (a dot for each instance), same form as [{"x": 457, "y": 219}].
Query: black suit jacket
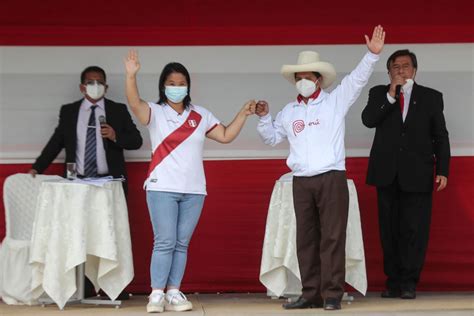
[
  {"x": 127, "y": 137},
  {"x": 407, "y": 150}
]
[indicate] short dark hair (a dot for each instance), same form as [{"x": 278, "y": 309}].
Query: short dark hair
[
  {"x": 402, "y": 52},
  {"x": 92, "y": 69},
  {"x": 167, "y": 70},
  {"x": 317, "y": 74}
]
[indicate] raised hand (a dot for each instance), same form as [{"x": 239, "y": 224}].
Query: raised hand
[
  {"x": 262, "y": 108},
  {"x": 375, "y": 44},
  {"x": 139, "y": 107},
  {"x": 132, "y": 64}
]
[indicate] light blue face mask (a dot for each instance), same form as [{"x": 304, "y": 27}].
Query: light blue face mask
[{"x": 176, "y": 94}]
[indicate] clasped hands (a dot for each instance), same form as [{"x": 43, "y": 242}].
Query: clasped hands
[{"x": 259, "y": 107}]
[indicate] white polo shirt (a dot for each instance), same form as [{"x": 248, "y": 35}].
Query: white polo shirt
[
  {"x": 316, "y": 130},
  {"x": 177, "y": 141}
]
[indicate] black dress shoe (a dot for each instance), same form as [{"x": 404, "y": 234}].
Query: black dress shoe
[
  {"x": 89, "y": 290},
  {"x": 302, "y": 303},
  {"x": 123, "y": 296},
  {"x": 390, "y": 293},
  {"x": 332, "y": 304},
  {"x": 408, "y": 294}
]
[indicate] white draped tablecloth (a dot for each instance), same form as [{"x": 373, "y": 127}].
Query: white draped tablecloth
[
  {"x": 279, "y": 270},
  {"x": 77, "y": 223}
]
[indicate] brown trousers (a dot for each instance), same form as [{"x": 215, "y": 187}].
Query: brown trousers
[{"x": 321, "y": 206}]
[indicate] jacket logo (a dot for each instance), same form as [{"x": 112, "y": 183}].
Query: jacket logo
[
  {"x": 314, "y": 123},
  {"x": 192, "y": 123},
  {"x": 298, "y": 126}
]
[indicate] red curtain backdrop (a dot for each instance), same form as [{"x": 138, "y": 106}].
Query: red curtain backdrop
[
  {"x": 231, "y": 22},
  {"x": 225, "y": 251},
  {"x": 226, "y": 248}
]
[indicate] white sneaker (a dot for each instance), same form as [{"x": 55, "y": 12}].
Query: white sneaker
[
  {"x": 156, "y": 302},
  {"x": 177, "y": 301}
]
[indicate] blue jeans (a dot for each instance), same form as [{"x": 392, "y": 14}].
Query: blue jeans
[{"x": 174, "y": 217}]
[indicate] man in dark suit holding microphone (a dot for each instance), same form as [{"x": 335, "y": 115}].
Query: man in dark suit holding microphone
[
  {"x": 95, "y": 151},
  {"x": 410, "y": 138}
]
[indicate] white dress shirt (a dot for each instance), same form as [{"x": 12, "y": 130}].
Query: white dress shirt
[
  {"x": 81, "y": 130},
  {"x": 316, "y": 130},
  {"x": 406, "y": 99}
]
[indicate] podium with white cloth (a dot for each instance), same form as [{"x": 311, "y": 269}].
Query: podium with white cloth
[
  {"x": 279, "y": 270},
  {"x": 80, "y": 223}
]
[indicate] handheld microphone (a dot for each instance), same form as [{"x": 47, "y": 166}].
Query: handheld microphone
[
  {"x": 102, "y": 122},
  {"x": 398, "y": 88}
]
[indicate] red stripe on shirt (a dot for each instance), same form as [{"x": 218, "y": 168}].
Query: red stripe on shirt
[
  {"x": 212, "y": 128},
  {"x": 174, "y": 139},
  {"x": 149, "y": 117}
]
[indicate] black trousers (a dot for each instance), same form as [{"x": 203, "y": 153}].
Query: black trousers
[{"x": 404, "y": 223}]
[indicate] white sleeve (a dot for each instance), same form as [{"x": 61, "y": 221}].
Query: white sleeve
[
  {"x": 152, "y": 124},
  {"x": 272, "y": 133},
  {"x": 211, "y": 122},
  {"x": 152, "y": 120},
  {"x": 351, "y": 86},
  {"x": 390, "y": 98}
]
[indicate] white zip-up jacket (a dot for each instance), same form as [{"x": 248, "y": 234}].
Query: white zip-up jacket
[{"x": 316, "y": 130}]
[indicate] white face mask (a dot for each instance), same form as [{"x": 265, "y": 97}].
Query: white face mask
[
  {"x": 95, "y": 90},
  {"x": 176, "y": 94},
  {"x": 305, "y": 87}
]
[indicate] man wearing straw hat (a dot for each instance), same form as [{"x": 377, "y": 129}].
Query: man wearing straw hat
[{"x": 314, "y": 126}]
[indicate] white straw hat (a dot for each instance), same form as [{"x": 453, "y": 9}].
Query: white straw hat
[{"x": 309, "y": 61}]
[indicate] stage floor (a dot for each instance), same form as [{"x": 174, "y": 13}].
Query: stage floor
[{"x": 233, "y": 304}]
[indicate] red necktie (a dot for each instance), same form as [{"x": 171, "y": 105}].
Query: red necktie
[{"x": 402, "y": 102}]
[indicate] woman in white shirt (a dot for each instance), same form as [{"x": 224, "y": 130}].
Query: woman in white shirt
[{"x": 175, "y": 183}]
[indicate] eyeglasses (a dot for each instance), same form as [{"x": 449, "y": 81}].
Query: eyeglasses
[
  {"x": 401, "y": 67},
  {"x": 94, "y": 82}
]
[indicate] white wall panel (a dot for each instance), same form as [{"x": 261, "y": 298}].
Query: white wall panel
[{"x": 35, "y": 81}]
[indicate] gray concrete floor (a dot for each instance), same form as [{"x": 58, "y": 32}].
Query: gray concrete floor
[{"x": 432, "y": 304}]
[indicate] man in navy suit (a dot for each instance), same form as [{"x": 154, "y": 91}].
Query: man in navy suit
[{"x": 410, "y": 141}]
